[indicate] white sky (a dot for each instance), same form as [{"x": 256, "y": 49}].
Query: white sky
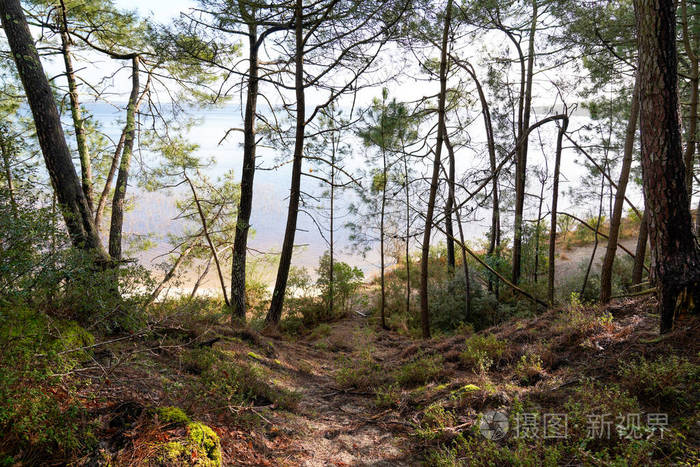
[{"x": 162, "y": 10}]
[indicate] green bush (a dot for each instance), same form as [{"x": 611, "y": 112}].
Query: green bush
[
  {"x": 40, "y": 419},
  {"x": 361, "y": 372},
  {"x": 231, "y": 382},
  {"x": 669, "y": 381},
  {"x": 388, "y": 397},
  {"x": 423, "y": 369},
  {"x": 482, "y": 352},
  {"x": 346, "y": 280}
]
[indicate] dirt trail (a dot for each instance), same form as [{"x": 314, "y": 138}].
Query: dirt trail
[{"x": 332, "y": 426}]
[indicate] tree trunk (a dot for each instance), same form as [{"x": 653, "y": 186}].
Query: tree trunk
[
  {"x": 689, "y": 155},
  {"x": 76, "y": 111},
  {"x": 495, "y": 232},
  {"x": 425, "y": 250},
  {"x": 275, "y": 312},
  {"x": 675, "y": 253},
  {"x": 611, "y": 250},
  {"x": 385, "y": 175},
  {"x": 536, "y": 270},
  {"x": 7, "y": 168},
  {"x": 553, "y": 216},
  {"x": 331, "y": 278},
  {"x": 170, "y": 274},
  {"x": 71, "y": 199},
  {"x": 102, "y": 202},
  {"x": 449, "y": 206},
  {"x": 521, "y": 160},
  {"x": 117, "y": 221},
  {"x": 207, "y": 237},
  {"x": 596, "y": 241},
  {"x": 450, "y": 236},
  {"x": 641, "y": 251},
  {"x": 201, "y": 277},
  {"x": 408, "y": 230},
  {"x": 245, "y": 205}
]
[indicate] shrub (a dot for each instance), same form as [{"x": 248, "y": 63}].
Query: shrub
[
  {"x": 482, "y": 352},
  {"x": 362, "y": 372},
  {"x": 346, "y": 280},
  {"x": 670, "y": 381},
  {"x": 388, "y": 397},
  {"x": 423, "y": 369},
  {"x": 40, "y": 419},
  {"x": 229, "y": 381},
  {"x": 529, "y": 368},
  {"x": 435, "y": 420}
]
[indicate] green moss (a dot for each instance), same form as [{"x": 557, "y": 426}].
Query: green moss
[
  {"x": 172, "y": 415},
  {"x": 201, "y": 448},
  {"x": 200, "y": 435},
  {"x": 255, "y": 356},
  {"x": 171, "y": 452}
]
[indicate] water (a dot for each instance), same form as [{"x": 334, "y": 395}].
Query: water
[{"x": 154, "y": 212}]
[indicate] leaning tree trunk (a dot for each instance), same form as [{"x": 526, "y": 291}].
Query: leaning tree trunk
[
  {"x": 675, "y": 252},
  {"x": 71, "y": 199},
  {"x": 495, "y": 232},
  {"x": 425, "y": 250},
  {"x": 117, "y": 221},
  {"x": 611, "y": 250},
  {"x": 245, "y": 205},
  {"x": 275, "y": 312}
]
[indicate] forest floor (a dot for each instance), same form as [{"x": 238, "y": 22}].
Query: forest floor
[{"x": 367, "y": 396}]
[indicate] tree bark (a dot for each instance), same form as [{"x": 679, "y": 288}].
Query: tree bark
[
  {"x": 76, "y": 111},
  {"x": 611, "y": 250},
  {"x": 641, "y": 251},
  {"x": 275, "y": 312},
  {"x": 694, "y": 78},
  {"x": 495, "y": 232},
  {"x": 7, "y": 168},
  {"x": 675, "y": 252},
  {"x": 521, "y": 160},
  {"x": 170, "y": 274},
  {"x": 449, "y": 205},
  {"x": 382, "y": 281},
  {"x": 102, "y": 202},
  {"x": 71, "y": 199},
  {"x": 553, "y": 216},
  {"x": 331, "y": 291},
  {"x": 117, "y": 221},
  {"x": 245, "y": 205},
  {"x": 407, "y": 193},
  {"x": 425, "y": 250}
]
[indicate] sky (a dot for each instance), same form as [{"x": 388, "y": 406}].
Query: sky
[{"x": 162, "y": 10}]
